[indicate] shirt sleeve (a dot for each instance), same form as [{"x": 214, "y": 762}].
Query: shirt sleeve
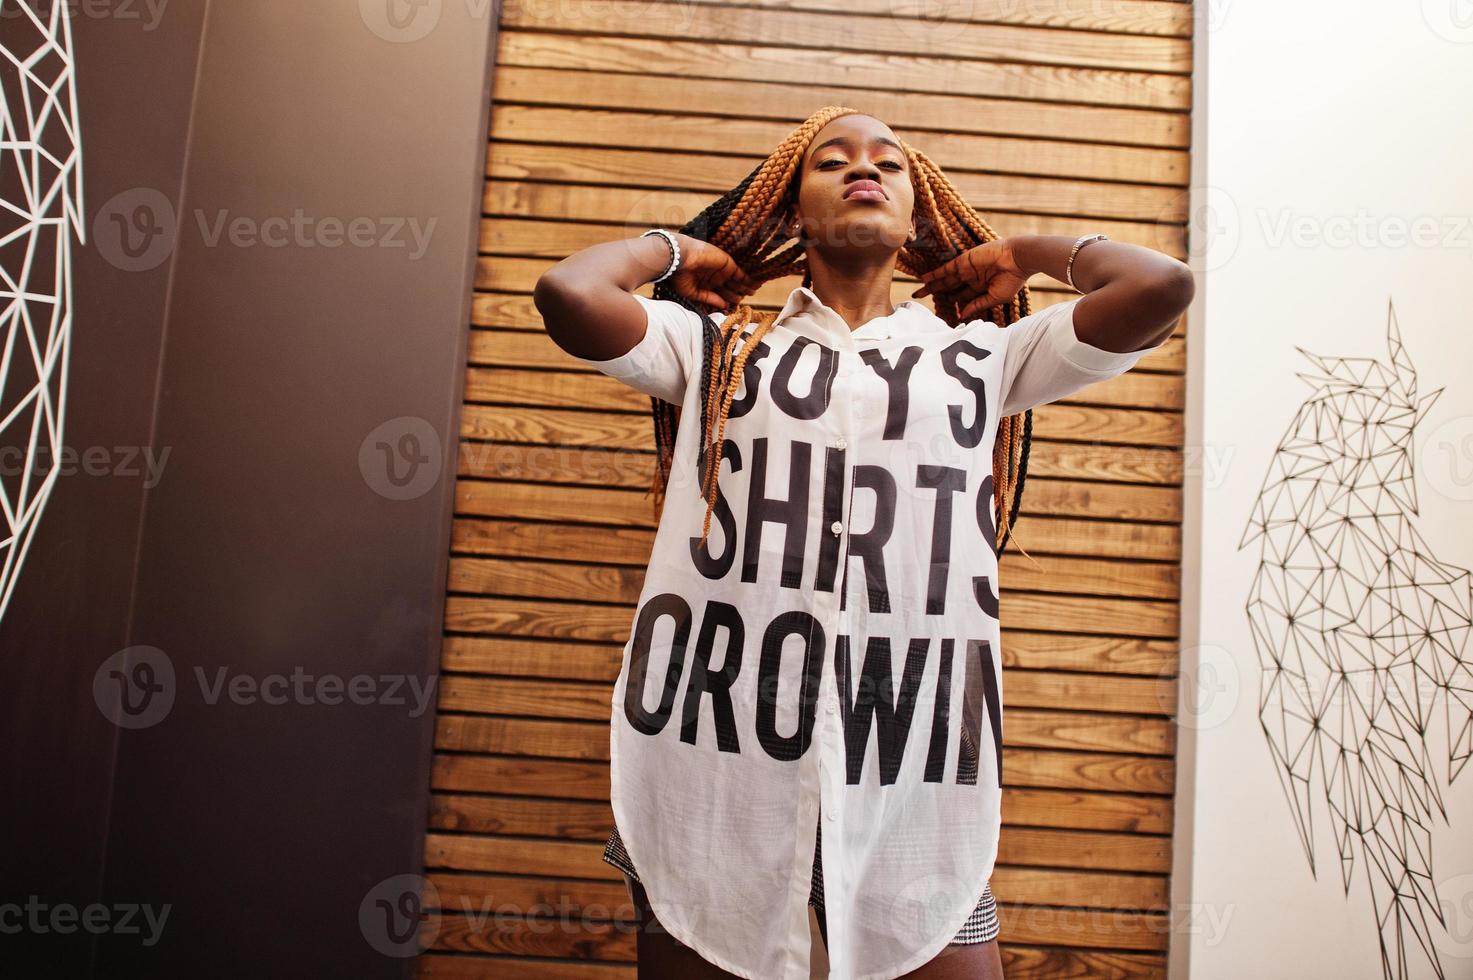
[
  {"x": 661, "y": 362},
  {"x": 1045, "y": 360}
]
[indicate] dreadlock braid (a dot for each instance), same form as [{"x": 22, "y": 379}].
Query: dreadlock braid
[{"x": 752, "y": 223}]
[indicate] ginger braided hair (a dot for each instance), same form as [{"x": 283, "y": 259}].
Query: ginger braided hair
[{"x": 752, "y": 223}]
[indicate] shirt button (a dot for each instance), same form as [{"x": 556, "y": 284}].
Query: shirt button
[
  {"x": 829, "y": 707},
  {"x": 841, "y": 443},
  {"x": 829, "y": 816},
  {"x": 837, "y": 526}
]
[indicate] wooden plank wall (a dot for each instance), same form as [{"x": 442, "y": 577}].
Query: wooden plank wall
[{"x": 610, "y": 116}]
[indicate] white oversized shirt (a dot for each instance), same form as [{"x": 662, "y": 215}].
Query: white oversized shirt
[{"x": 834, "y": 648}]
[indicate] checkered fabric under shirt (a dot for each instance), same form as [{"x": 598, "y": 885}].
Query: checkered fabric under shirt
[{"x": 981, "y": 926}]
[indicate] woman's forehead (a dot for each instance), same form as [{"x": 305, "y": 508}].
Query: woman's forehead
[{"x": 853, "y": 127}]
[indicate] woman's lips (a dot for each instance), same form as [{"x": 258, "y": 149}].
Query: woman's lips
[{"x": 864, "y": 195}]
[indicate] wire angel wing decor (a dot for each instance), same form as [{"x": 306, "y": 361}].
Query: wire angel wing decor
[
  {"x": 1361, "y": 633},
  {"x": 40, "y": 211}
]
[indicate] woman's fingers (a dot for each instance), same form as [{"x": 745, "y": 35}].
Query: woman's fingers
[
  {"x": 939, "y": 287},
  {"x": 962, "y": 294},
  {"x": 989, "y": 300},
  {"x": 940, "y": 280},
  {"x": 976, "y": 308},
  {"x": 946, "y": 277}
]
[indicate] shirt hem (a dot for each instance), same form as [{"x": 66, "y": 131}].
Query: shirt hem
[
  {"x": 930, "y": 951},
  {"x": 668, "y": 921}
]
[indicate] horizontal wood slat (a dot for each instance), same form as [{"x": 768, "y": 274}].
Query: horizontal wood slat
[
  {"x": 1104, "y": 772},
  {"x": 586, "y": 820},
  {"x": 1169, "y": 18},
  {"x": 1104, "y": 711},
  {"x": 521, "y": 656},
  {"x": 533, "y": 349},
  {"x": 465, "y": 812},
  {"x": 630, "y": 508},
  {"x": 622, "y": 583},
  {"x": 507, "y": 304},
  {"x": 870, "y": 73},
  {"x": 1034, "y": 847},
  {"x": 858, "y": 30},
  {"x": 456, "y": 966},
  {"x": 554, "y": 240},
  {"x": 1046, "y": 537},
  {"x": 1020, "y": 154},
  {"x": 1019, "y": 610},
  {"x": 712, "y": 175},
  {"x": 781, "y": 101},
  {"x": 1019, "y": 963},
  {"x": 588, "y": 389},
  {"x": 631, "y": 430}
]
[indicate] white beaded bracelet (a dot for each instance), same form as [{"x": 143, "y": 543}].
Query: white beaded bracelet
[{"x": 674, "y": 251}]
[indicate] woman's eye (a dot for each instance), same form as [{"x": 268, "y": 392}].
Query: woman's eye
[{"x": 883, "y": 163}]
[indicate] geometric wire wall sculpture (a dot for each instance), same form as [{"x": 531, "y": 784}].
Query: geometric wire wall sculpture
[
  {"x": 40, "y": 209},
  {"x": 1361, "y": 633}
]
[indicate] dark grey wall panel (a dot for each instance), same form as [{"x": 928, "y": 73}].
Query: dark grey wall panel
[
  {"x": 69, "y": 610},
  {"x": 299, "y": 357}
]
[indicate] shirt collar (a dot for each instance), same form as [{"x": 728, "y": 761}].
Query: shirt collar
[{"x": 808, "y": 311}]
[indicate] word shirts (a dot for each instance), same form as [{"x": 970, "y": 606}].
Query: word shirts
[{"x": 834, "y": 646}]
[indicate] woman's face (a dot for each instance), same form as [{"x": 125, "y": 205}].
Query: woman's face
[{"x": 834, "y": 211}]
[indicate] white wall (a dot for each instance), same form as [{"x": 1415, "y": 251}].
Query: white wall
[{"x": 1326, "y": 135}]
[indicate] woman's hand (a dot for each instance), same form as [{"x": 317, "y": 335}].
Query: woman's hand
[
  {"x": 981, "y": 278},
  {"x": 708, "y": 275}
]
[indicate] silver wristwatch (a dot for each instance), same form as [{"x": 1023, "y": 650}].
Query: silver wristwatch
[{"x": 1079, "y": 243}]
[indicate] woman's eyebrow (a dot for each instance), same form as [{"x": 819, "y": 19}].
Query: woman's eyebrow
[{"x": 846, "y": 141}]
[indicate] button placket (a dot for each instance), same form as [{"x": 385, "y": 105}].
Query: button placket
[{"x": 847, "y": 398}]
